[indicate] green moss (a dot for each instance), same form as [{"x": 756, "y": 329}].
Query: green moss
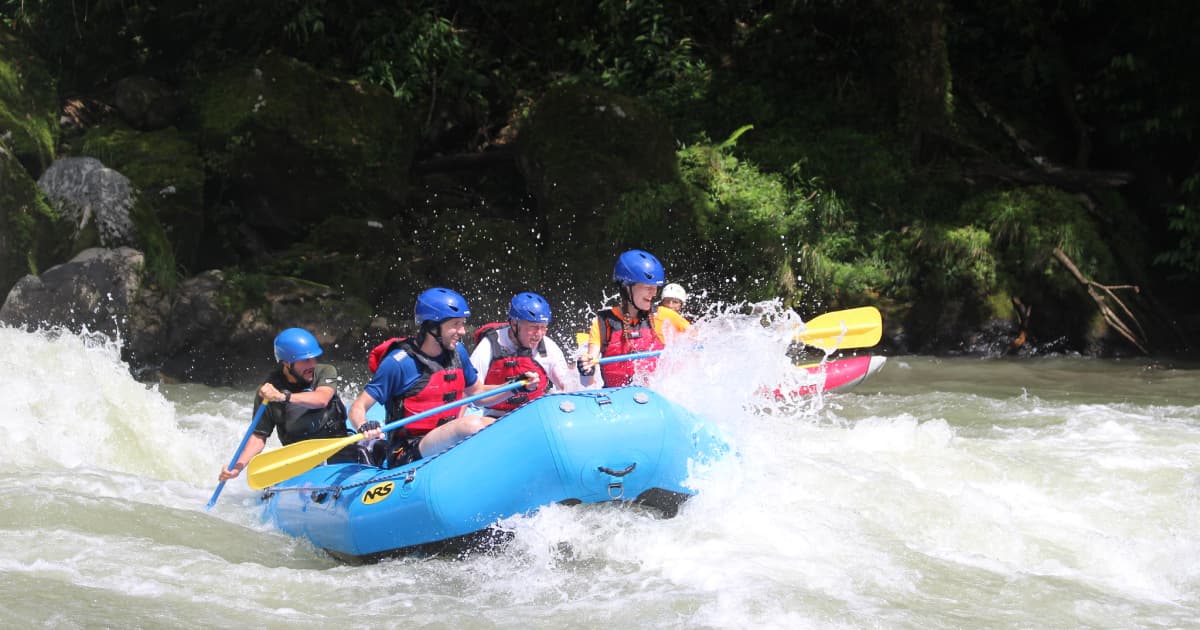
[
  {"x": 28, "y": 104},
  {"x": 242, "y": 291},
  {"x": 160, "y": 263},
  {"x": 31, "y": 234},
  {"x": 166, "y": 169},
  {"x": 278, "y": 108},
  {"x": 152, "y": 160},
  {"x": 999, "y": 306}
]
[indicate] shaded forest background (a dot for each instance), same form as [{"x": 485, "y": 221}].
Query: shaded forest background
[{"x": 1004, "y": 176}]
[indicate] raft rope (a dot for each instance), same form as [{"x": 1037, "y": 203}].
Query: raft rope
[{"x": 411, "y": 473}]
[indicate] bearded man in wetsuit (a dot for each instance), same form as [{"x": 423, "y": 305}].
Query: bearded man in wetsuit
[{"x": 302, "y": 400}]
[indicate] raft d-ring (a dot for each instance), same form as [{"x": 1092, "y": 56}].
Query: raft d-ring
[{"x": 616, "y": 490}]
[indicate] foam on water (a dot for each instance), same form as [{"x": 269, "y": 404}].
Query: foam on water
[
  {"x": 73, "y": 404},
  {"x": 939, "y": 493}
]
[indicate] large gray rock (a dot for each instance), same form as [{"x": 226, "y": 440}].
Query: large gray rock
[
  {"x": 92, "y": 197},
  {"x": 93, "y": 291}
]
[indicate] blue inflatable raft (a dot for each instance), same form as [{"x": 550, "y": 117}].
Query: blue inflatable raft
[{"x": 626, "y": 444}]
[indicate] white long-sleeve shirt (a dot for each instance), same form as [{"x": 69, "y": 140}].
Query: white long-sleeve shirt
[{"x": 563, "y": 377}]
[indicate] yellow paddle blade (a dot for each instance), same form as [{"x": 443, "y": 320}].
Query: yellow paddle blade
[
  {"x": 852, "y": 328},
  {"x": 281, "y": 464}
]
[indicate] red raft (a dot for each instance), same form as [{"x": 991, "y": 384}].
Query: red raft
[{"x": 839, "y": 374}]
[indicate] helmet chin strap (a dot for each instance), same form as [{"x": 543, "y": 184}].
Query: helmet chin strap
[
  {"x": 512, "y": 333},
  {"x": 433, "y": 330},
  {"x": 626, "y": 293}
]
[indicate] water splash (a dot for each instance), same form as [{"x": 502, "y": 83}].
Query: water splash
[{"x": 73, "y": 404}]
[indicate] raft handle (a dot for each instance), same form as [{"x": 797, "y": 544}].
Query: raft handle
[{"x": 618, "y": 473}]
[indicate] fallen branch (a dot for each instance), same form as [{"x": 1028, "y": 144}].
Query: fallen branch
[
  {"x": 1045, "y": 170},
  {"x": 1102, "y": 294}
]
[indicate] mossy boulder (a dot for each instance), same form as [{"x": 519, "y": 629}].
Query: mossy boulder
[
  {"x": 286, "y": 144},
  {"x": 28, "y": 105},
  {"x": 166, "y": 168},
  {"x": 32, "y": 236}
]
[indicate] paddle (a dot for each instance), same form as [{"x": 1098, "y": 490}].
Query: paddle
[
  {"x": 633, "y": 356},
  {"x": 238, "y": 453},
  {"x": 852, "y": 328},
  {"x": 281, "y": 464}
]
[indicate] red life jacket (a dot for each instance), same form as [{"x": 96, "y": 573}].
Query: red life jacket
[
  {"x": 618, "y": 338},
  {"x": 436, "y": 386},
  {"x": 507, "y": 366}
]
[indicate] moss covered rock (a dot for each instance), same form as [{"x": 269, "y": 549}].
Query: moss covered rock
[
  {"x": 28, "y": 105},
  {"x": 286, "y": 145},
  {"x": 32, "y": 237},
  {"x": 166, "y": 168}
]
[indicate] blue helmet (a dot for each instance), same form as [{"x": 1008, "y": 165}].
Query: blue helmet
[
  {"x": 529, "y": 307},
  {"x": 638, "y": 267},
  {"x": 438, "y": 304},
  {"x": 296, "y": 344}
]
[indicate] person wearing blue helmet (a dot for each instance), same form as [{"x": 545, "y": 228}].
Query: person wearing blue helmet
[
  {"x": 634, "y": 325},
  {"x": 416, "y": 374},
  {"x": 507, "y": 351},
  {"x": 302, "y": 400}
]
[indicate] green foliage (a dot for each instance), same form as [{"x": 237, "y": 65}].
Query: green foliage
[
  {"x": 1184, "y": 222},
  {"x": 28, "y": 102},
  {"x": 637, "y": 48},
  {"x": 959, "y": 260},
  {"x": 822, "y": 201},
  {"x": 1029, "y": 223},
  {"x": 752, "y": 213},
  {"x": 421, "y": 57}
]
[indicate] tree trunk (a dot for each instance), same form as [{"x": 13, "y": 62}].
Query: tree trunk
[{"x": 923, "y": 72}]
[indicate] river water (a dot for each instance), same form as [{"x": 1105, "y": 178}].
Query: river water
[{"x": 1057, "y": 492}]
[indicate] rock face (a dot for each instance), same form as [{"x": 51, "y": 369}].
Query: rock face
[
  {"x": 209, "y": 329},
  {"x": 93, "y": 291},
  {"x": 95, "y": 199}
]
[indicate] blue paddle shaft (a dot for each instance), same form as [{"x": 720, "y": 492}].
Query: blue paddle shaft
[
  {"x": 649, "y": 354},
  {"x": 238, "y": 453},
  {"x": 451, "y": 405}
]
